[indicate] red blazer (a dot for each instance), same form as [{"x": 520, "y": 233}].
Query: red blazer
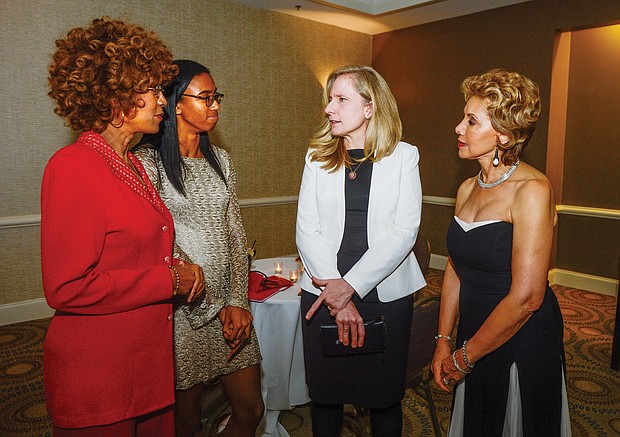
[{"x": 105, "y": 251}]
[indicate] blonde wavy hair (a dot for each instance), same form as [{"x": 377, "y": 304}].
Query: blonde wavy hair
[
  {"x": 513, "y": 106},
  {"x": 384, "y": 127},
  {"x": 101, "y": 69}
]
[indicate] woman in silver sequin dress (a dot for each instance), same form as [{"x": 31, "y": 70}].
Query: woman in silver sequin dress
[{"x": 197, "y": 181}]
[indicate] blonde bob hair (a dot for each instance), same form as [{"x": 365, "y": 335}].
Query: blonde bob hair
[
  {"x": 384, "y": 127},
  {"x": 512, "y": 104}
]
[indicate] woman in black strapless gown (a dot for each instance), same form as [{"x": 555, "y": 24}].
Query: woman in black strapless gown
[{"x": 508, "y": 367}]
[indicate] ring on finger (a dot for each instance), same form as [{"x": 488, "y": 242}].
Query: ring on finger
[{"x": 446, "y": 382}]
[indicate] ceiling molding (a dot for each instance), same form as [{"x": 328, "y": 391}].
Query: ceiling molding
[
  {"x": 374, "y": 7},
  {"x": 377, "y": 16}
]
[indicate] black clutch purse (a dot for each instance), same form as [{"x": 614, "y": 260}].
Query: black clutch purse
[{"x": 374, "y": 342}]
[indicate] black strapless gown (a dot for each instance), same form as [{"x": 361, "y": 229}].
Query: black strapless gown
[{"x": 490, "y": 402}]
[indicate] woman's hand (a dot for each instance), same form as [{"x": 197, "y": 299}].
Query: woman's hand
[
  {"x": 191, "y": 280},
  {"x": 442, "y": 351},
  {"x": 336, "y": 295},
  {"x": 350, "y": 326},
  {"x": 445, "y": 373},
  {"x": 448, "y": 312},
  {"x": 236, "y": 327}
]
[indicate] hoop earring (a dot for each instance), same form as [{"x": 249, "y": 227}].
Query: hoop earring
[
  {"x": 120, "y": 124},
  {"x": 496, "y": 157}
]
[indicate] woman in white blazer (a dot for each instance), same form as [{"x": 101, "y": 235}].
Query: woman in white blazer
[{"x": 357, "y": 221}]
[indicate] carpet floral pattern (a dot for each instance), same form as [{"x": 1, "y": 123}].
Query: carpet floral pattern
[
  {"x": 22, "y": 402},
  {"x": 593, "y": 387}
]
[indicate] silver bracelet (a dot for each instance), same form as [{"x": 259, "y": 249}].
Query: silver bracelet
[
  {"x": 447, "y": 337},
  {"x": 469, "y": 365},
  {"x": 456, "y": 364}
]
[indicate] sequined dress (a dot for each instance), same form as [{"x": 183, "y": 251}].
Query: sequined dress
[{"x": 209, "y": 232}]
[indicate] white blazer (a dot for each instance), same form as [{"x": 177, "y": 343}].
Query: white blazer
[{"x": 394, "y": 210}]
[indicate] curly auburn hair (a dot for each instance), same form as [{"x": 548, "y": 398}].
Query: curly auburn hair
[
  {"x": 512, "y": 104},
  {"x": 100, "y": 70}
]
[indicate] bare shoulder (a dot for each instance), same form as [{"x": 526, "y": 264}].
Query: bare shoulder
[
  {"x": 533, "y": 184},
  {"x": 533, "y": 194}
]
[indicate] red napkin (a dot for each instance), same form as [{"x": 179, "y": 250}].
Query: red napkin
[{"x": 261, "y": 289}]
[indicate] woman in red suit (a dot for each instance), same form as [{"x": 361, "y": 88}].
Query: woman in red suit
[{"x": 106, "y": 241}]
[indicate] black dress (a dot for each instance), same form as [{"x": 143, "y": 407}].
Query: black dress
[
  {"x": 370, "y": 380},
  {"x": 489, "y": 402}
]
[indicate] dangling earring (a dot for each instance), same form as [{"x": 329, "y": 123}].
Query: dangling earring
[
  {"x": 121, "y": 123},
  {"x": 496, "y": 157}
]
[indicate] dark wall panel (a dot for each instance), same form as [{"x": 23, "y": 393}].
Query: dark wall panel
[
  {"x": 590, "y": 245},
  {"x": 435, "y": 222},
  {"x": 592, "y": 149},
  {"x": 424, "y": 66}
]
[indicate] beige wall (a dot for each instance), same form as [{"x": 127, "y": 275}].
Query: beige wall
[
  {"x": 269, "y": 65},
  {"x": 425, "y": 64}
]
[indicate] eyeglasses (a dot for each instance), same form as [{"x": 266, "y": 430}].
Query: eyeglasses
[
  {"x": 209, "y": 100},
  {"x": 158, "y": 90}
]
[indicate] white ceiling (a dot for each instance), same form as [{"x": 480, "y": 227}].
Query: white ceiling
[{"x": 377, "y": 16}]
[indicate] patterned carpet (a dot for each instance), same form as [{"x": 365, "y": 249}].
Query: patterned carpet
[{"x": 593, "y": 388}]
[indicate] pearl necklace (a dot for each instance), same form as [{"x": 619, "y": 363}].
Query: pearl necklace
[{"x": 502, "y": 178}]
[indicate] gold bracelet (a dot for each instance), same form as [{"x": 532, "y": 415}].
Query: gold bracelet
[
  {"x": 447, "y": 337},
  {"x": 175, "y": 291}
]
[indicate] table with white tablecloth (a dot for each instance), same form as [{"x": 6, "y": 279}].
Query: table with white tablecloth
[{"x": 277, "y": 322}]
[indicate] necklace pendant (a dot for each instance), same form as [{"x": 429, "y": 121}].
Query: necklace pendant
[{"x": 352, "y": 175}]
